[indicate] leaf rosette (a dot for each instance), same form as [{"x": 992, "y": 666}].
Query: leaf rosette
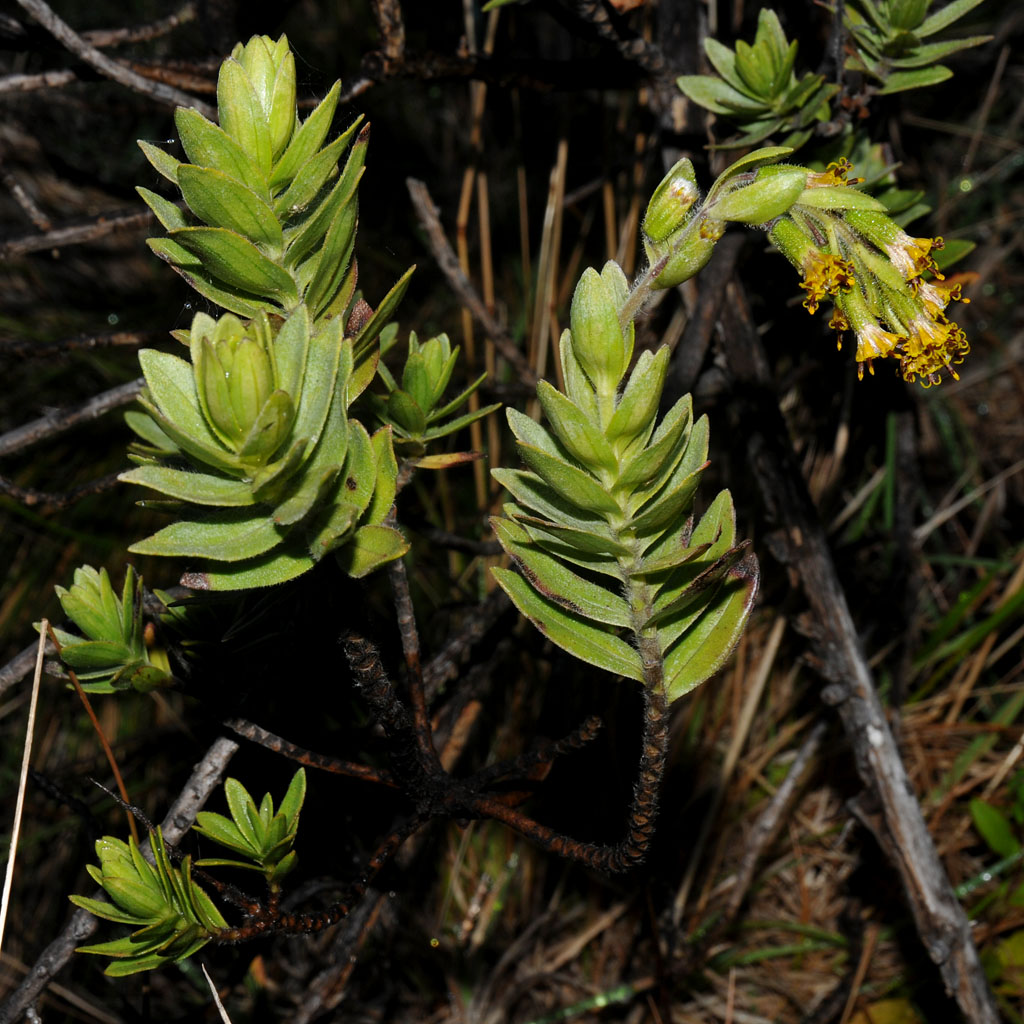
[{"x": 250, "y": 440}]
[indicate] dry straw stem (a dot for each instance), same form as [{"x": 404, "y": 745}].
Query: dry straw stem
[
  {"x": 448, "y": 263},
  {"x": 206, "y": 776},
  {"x": 71, "y": 40},
  {"x": 216, "y": 997},
  {"x": 26, "y": 757},
  {"x": 900, "y": 827}
]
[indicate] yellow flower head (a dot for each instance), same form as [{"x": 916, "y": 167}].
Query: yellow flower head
[
  {"x": 834, "y": 174},
  {"x": 931, "y": 344},
  {"x": 912, "y": 256},
  {"x": 824, "y": 274}
]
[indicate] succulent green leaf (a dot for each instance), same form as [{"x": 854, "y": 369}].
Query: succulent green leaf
[
  {"x": 162, "y": 161},
  {"x": 945, "y": 16},
  {"x": 223, "y": 536},
  {"x": 107, "y": 911},
  {"x": 243, "y": 813},
  {"x": 208, "y": 145},
  {"x": 209, "y": 453},
  {"x": 531, "y": 491},
  {"x": 573, "y": 484},
  {"x": 579, "y": 435},
  {"x": 269, "y": 429},
  {"x": 310, "y": 178},
  {"x": 165, "y": 211},
  {"x": 597, "y": 337},
  {"x": 369, "y": 548},
  {"x": 639, "y": 402},
  {"x": 242, "y": 115},
  {"x": 928, "y": 53},
  {"x": 900, "y": 81},
  {"x": 220, "y": 201},
  {"x": 268, "y": 570},
  {"x": 451, "y": 426},
  {"x": 704, "y": 648},
  {"x": 386, "y": 477},
  {"x": 572, "y": 633},
  {"x": 96, "y": 654},
  {"x": 191, "y": 268},
  {"x": 200, "y": 488},
  {"x": 236, "y": 261},
  {"x": 333, "y": 259},
  {"x": 293, "y": 800},
  {"x": 569, "y": 542},
  {"x": 552, "y": 580},
  {"x": 403, "y": 411},
  {"x": 369, "y": 331},
  {"x": 172, "y": 388},
  {"x": 308, "y": 138},
  {"x": 717, "y": 96},
  {"x": 723, "y": 60}
]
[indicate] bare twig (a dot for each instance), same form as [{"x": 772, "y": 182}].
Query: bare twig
[
  {"x": 204, "y": 778},
  {"x": 901, "y": 828},
  {"x": 102, "y": 37},
  {"x": 70, "y": 39},
  {"x": 251, "y": 731},
  {"x": 19, "y": 666},
  {"x": 444, "y": 666},
  {"x": 29, "y": 348},
  {"x": 463, "y": 287},
  {"x": 406, "y": 618},
  {"x": 53, "y": 500},
  {"x": 43, "y": 80},
  {"x": 388, "y": 15},
  {"x": 75, "y": 234},
  {"x": 59, "y": 420}
]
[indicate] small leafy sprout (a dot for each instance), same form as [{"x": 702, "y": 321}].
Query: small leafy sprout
[
  {"x": 889, "y": 38},
  {"x": 759, "y": 90},
  {"x": 261, "y": 835},
  {"x": 173, "y": 916},
  {"x": 413, "y": 409},
  {"x": 114, "y": 656}
]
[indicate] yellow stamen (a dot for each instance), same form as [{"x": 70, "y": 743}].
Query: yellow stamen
[
  {"x": 824, "y": 274},
  {"x": 834, "y": 174}
]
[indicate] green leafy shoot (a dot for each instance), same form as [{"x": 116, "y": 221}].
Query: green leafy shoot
[
  {"x": 263, "y": 836},
  {"x": 171, "y": 915}
]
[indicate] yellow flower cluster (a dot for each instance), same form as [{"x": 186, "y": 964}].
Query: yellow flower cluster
[{"x": 872, "y": 270}]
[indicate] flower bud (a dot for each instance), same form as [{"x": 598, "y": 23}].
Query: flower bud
[
  {"x": 597, "y": 338},
  {"x": 771, "y": 194},
  {"x": 671, "y": 205},
  {"x": 687, "y": 252}
]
